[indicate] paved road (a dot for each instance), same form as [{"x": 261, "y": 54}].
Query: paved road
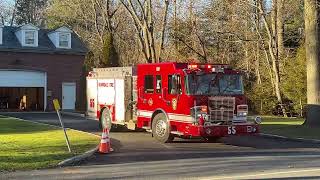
[{"x": 138, "y": 156}]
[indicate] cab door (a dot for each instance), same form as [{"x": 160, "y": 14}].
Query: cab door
[
  {"x": 174, "y": 92},
  {"x": 146, "y": 96},
  {"x": 159, "y": 99}
]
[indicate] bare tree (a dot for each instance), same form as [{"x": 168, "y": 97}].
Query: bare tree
[
  {"x": 273, "y": 51},
  {"x": 280, "y": 28},
  {"x": 13, "y": 17},
  {"x": 163, "y": 29},
  {"x": 7, "y": 13},
  {"x": 141, "y": 13}
]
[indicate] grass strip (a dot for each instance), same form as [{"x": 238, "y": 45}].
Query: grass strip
[
  {"x": 26, "y": 145},
  {"x": 289, "y": 127}
]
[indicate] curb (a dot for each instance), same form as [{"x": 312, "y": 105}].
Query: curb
[
  {"x": 76, "y": 159},
  {"x": 272, "y": 136},
  {"x": 73, "y": 114}
]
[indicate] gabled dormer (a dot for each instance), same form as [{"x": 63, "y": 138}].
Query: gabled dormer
[
  {"x": 1, "y": 34},
  {"x": 61, "y": 37},
  {"x": 28, "y": 35}
]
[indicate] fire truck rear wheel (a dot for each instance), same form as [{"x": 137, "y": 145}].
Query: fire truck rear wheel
[
  {"x": 161, "y": 129},
  {"x": 105, "y": 119}
]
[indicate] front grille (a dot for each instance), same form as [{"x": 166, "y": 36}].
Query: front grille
[{"x": 221, "y": 109}]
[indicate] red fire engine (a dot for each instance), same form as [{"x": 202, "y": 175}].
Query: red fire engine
[{"x": 171, "y": 100}]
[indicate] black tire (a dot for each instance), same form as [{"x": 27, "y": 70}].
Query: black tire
[
  {"x": 212, "y": 139},
  {"x": 105, "y": 119},
  {"x": 161, "y": 129}
]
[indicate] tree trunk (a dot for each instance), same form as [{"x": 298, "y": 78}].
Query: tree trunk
[
  {"x": 163, "y": 28},
  {"x": 175, "y": 27},
  {"x": 280, "y": 29},
  {"x": 273, "y": 51},
  {"x": 151, "y": 31},
  {"x": 257, "y": 51},
  {"x": 13, "y": 17},
  {"x": 274, "y": 30},
  {"x": 301, "y": 107},
  {"x": 313, "y": 68}
]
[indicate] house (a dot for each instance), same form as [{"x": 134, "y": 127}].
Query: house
[{"x": 38, "y": 65}]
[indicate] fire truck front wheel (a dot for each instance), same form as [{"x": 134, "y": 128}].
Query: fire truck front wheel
[{"x": 161, "y": 129}]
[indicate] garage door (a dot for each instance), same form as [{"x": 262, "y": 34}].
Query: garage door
[
  {"x": 25, "y": 79},
  {"x": 12, "y": 78}
]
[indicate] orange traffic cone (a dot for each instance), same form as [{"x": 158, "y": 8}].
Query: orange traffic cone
[{"x": 105, "y": 145}]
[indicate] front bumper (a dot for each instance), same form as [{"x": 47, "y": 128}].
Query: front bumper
[{"x": 223, "y": 130}]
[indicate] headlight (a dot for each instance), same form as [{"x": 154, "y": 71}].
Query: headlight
[
  {"x": 242, "y": 110},
  {"x": 242, "y": 114},
  {"x": 258, "y": 120},
  {"x": 199, "y": 111}
]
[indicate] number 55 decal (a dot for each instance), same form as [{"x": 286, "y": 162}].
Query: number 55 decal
[{"x": 232, "y": 130}]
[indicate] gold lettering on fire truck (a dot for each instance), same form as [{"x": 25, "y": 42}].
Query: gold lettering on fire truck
[
  {"x": 150, "y": 102},
  {"x": 174, "y": 104},
  {"x": 106, "y": 84}
]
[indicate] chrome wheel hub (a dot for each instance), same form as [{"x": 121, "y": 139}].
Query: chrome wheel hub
[{"x": 161, "y": 128}]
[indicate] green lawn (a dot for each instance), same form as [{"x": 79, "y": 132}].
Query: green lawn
[
  {"x": 289, "y": 127},
  {"x": 25, "y": 145}
]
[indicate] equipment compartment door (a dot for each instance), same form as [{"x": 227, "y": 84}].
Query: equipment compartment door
[
  {"x": 107, "y": 94},
  {"x": 119, "y": 100},
  {"x": 92, "y": 94}
]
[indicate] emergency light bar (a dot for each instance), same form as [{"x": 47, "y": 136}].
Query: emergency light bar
[
  {"x": 193, "y": 66},
  {"x": 218, "y": 70},
  {"x": 210, "y": 67},
  {"x": 197, "y": 66}
]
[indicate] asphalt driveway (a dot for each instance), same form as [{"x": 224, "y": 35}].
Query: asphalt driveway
[{"x": 139, "y": 148}]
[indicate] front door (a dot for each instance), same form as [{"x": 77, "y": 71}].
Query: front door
[
  {"x": 68, "y": 96},
  {"x": 174, "y": 91}
]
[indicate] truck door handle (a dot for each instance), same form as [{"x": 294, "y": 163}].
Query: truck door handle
[
  {"x": 144, "y": 100},
  {"x": 163, "y": 94}
]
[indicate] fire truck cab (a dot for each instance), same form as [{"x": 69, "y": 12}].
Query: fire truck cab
[{"x": 171, "y": 100}]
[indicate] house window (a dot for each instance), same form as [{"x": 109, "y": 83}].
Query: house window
[
  {"x": 148, "y": 84},
  {"x": 64, "y": 40},
  {"x": 30, "y": 38}
]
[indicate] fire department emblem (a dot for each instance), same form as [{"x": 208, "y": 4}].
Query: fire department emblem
[
  {"x": 150, "y": 102},
  {"x": 174, "y": 103}
]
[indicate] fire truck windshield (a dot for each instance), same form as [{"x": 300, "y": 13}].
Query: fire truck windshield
[{"x": 214, "y": 84}]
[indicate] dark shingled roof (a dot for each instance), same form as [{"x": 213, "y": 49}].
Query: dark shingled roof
[{"x": 11, "y": 43}]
